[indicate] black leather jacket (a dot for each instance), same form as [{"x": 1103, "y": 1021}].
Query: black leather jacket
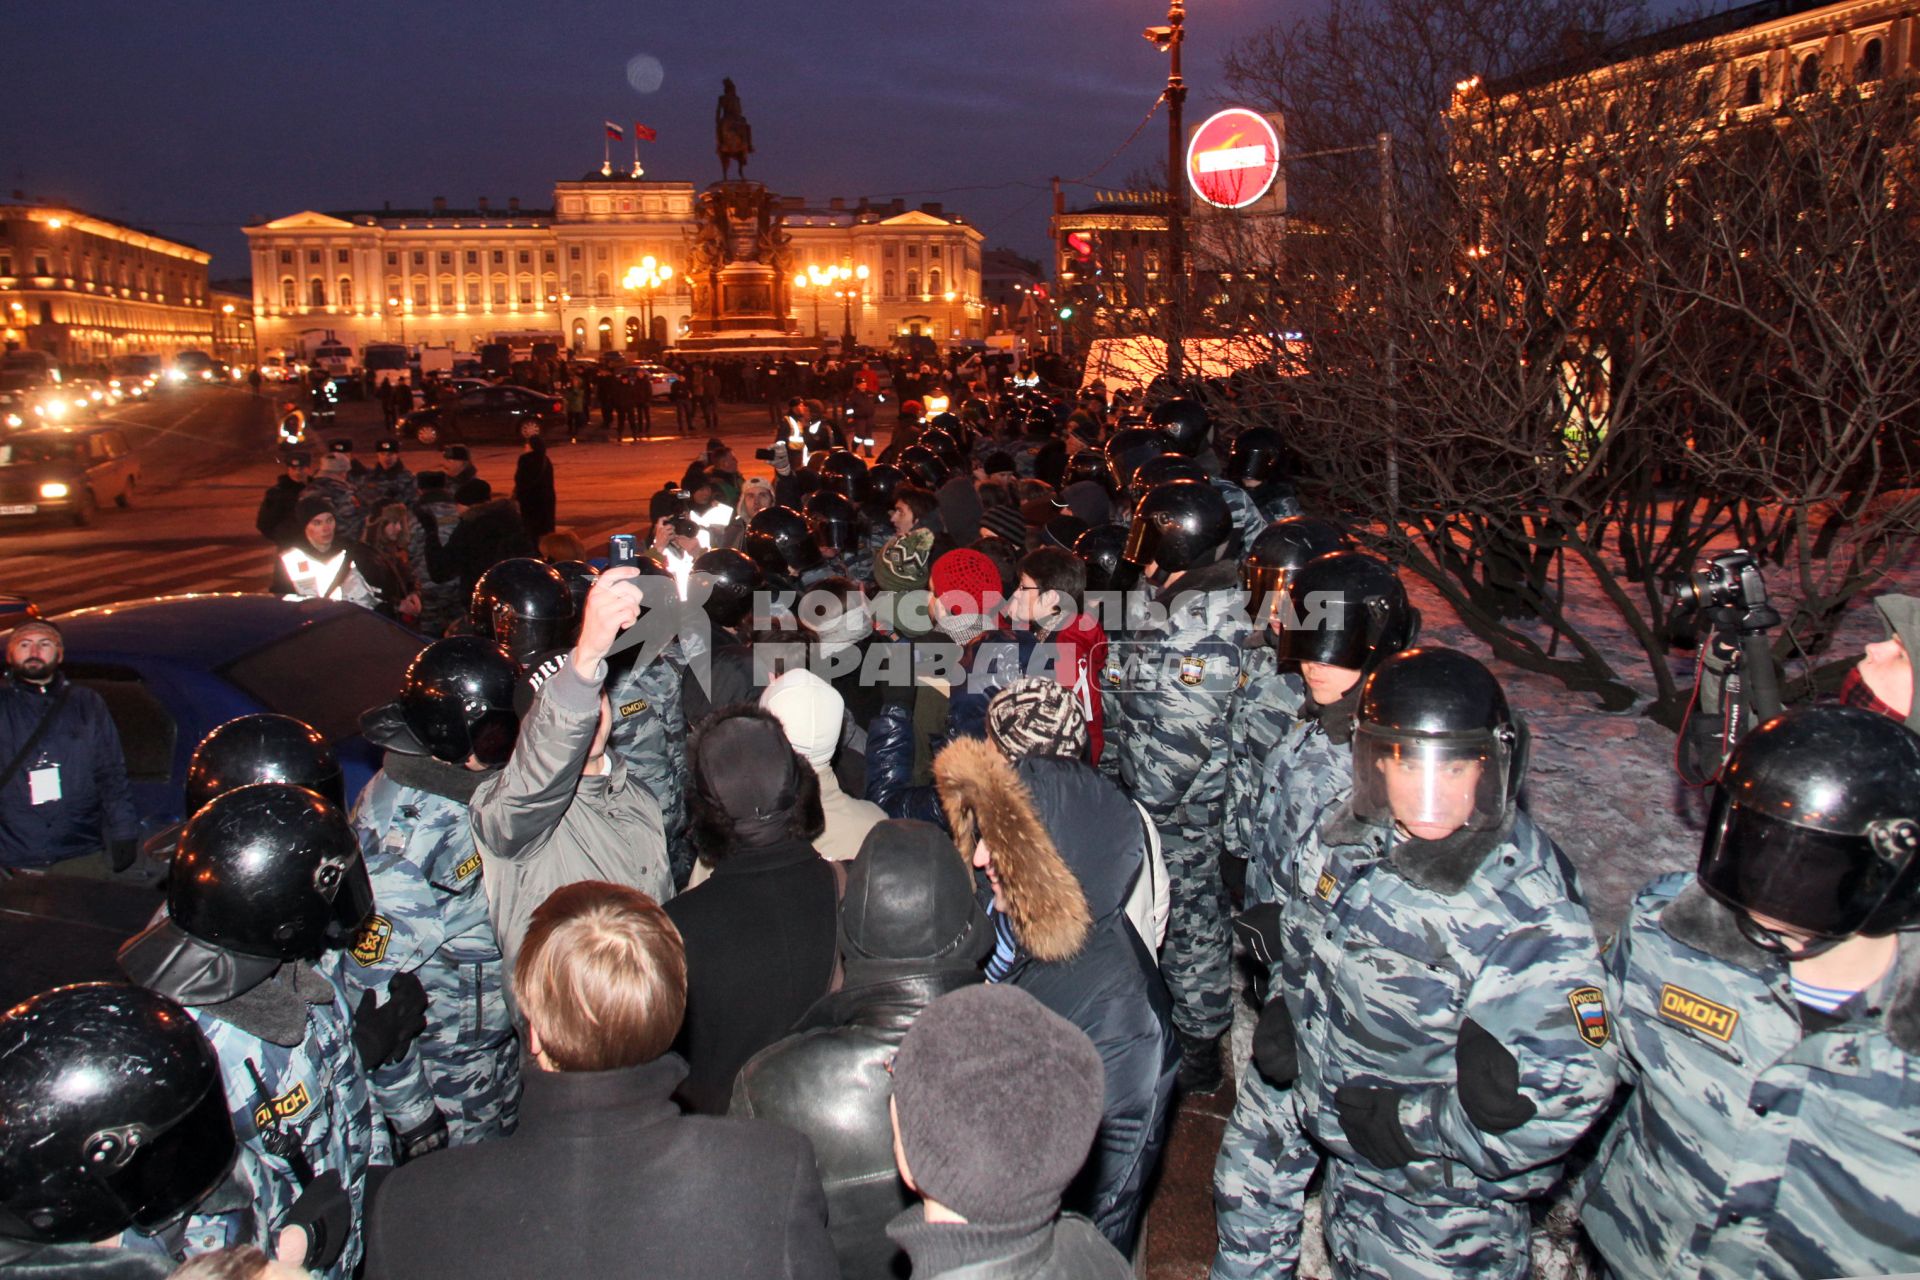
[{"x": 829, "y": 1081}]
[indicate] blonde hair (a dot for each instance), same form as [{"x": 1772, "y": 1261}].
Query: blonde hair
[{"x": 602, "y": 977}]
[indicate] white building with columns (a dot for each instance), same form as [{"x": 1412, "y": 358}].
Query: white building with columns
[{"x": 464, "y": 277}]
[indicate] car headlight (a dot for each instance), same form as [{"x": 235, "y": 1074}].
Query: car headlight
[
  {"x": 53, "y": 489},
  {"x": 176, "y": 375},
  {"x": 56, "y": 408},
  {"x": 14, "y": 419}
]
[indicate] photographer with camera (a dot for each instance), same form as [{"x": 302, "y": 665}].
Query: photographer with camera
[{"x": 1738, "y": 684}]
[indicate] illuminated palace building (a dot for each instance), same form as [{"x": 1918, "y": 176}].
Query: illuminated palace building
[
  {"x": 83, "y": 288},
  {"x": 593, "y": 271}
]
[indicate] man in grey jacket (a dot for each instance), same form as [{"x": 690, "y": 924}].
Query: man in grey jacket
[{"x": 563, "y": 809}]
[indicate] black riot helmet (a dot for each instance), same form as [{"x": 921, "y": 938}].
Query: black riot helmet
[
  {"x": 456, "y": 702},
  {"x": 843, "y": 472},
  {"x": 1154, "y": 472},
  {"x": 882, "y": 479},
  {"x": 113, "y": 1115},
  {"x": 781, "y": 540},
  {"x": 1282, "y": 549},
  {"x": 579, "y": 577},
  {"x": 1127, "y": 449},
  {"x": 263, "y": 747},
  {"x": 1258, "y": 456},
  {"x": 1436, "y": 749},
  {"x": 271, "y": 871},
  {"x": 923, "y": 467},
  {"x": 1184, "y": 422},
  {"x": 731, "y": 577},
  {"x": 1088, "y": 464},
  {"x": 1347, "y": 610},
  {"x": 1179, "y": 526},
  {"x": 834, "y": 519},
  {"x": 1816, "y": 824},
  {"x": 944, "y": 445},
  {"x": 525, "y": 605},
  {"x": 1104, "y": 549}
]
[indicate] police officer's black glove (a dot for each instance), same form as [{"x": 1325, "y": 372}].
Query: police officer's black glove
[
  {"x": 325, "y": 1212},
  {"x": 1233, "y": 874},
  {"x": 382, "y": 1032},
  {"x": 1258, "y": 929},
  {"x": 120, "y": 853},
  {"x": 1274, "y": 1049},
  {"x": 1371, "y": 1120},
  {"x": 1489, "y": 1078},
  {"x": 423, "y": 1138}
]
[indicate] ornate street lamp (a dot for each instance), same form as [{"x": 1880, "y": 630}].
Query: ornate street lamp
[{"x": 644, "y": 279}]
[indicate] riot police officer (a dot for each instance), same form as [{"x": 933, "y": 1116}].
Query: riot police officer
[
  {"x": 1172, "y": 740},
  {"x": 1269, "y": 695},
  {"x": 267, "y": 883},
  {"x": 1767, "y": 1009},
  {"x": 115, "y": 1122},
  {"x": 525, "y": 606},
  {"x": 1338, "y": 616},
  {"x": 1442, "y": 1037},
  {"x": 453, "y": 723}
]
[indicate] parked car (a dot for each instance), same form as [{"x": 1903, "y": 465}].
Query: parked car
[
  {"x": 488, "y": 413},
  {"x": 171, "y": 668},
  {"x": 19, "y": 389},
  {"x": 660, "y": 379},
  {"x": 70, "y": 473}
]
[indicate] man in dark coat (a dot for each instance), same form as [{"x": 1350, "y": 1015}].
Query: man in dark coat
[
  {"x": 760, "y": 933},
  {"x": 489, "y": 532},
  {"x": 533, "y": 489},
  {"x": 604, "y": 1176},
  {"x": 275, "y": 518},
  {"x": 68, "y": 800},
  {"x": 910, "y": 931},
  {"x": 1060, "y": 846}
]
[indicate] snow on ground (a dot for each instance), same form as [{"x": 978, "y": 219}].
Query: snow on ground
[{"x": 1603, "y": 786}]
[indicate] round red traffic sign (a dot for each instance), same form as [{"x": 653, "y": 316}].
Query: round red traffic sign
[{"x": 1233, "y": 158}]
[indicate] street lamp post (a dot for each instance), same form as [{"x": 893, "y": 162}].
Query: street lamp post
[
  {"x": 820, "y": 279},
  {"x": 226, "y": 348},
  {"x": 398, "y": 307},
  {"x": 1168, "y": 39},
  {"x": 950, "y": 333},
  {"x": 846, "y": 296},
  {"x": 644, "y": 279}
]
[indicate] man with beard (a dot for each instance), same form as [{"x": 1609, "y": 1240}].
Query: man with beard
[{"x": 64, "y": 800}]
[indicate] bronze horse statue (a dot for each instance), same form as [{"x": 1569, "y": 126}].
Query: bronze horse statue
[{"x": 733, "y": 135}]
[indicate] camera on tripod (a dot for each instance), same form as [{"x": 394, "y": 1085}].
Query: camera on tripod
[{"x": 1729, "y": 581}]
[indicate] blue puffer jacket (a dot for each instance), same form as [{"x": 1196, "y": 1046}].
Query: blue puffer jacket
[{"x": 95, "y": 808}]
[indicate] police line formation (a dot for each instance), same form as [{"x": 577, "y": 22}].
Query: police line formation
[{"x": 1246, "y": 740}]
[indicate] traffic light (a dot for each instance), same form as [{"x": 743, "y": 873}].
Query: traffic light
[{"x": 1066, "y": 313}]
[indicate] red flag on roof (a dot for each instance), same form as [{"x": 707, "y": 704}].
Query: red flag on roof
[{"x": 643, "y": 133}]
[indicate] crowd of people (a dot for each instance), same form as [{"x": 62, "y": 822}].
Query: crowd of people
[{"x": 850, "y": 879}]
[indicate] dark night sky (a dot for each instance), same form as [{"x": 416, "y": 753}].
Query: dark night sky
[{"x": 194, "y": 118}]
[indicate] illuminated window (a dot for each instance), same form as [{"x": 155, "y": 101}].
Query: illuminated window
[
  {"x": 913, "y": 283},
  {"x": 933, "y": 281},
  {"x": 473, "y": 293},
  {"x": 420, "y": 293},
  {"x": 446, "y": 293},
  {"x": 499, "y": 293},
  {"x": 289, "y": 293},
  {"x": 600, "y": 284},
  {"x": 526, "y": 291},
  {"x": 316, "y": 292},
  {"x": 886, "y": 284},
  {"x": 345, "y": 296},
  {"x": 573, "y": 283}
]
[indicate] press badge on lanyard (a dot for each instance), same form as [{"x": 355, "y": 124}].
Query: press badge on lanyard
[{"x": 43, "y": 784}]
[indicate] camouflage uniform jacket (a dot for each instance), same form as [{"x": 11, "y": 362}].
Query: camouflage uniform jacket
[
  {"x": 441, "y": 600},
  {"x": 1175, "y": 677},
  {"x": 380, "y": 486},
  {"x": 1308, "y": 776},
  {"x": 299, "y": 1110},
  {"x": 1760, "y": 1138},
  {"x": 349, "y": 517},
  {"x": 1259, "y": 715},
  {"x": 649, "y": 736},
  {"x": 1397, "y": 954},
  {"x": 1250, "y": 514},
  {"x": 430, "y": 919}
]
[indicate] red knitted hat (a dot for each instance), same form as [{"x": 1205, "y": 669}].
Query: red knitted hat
[{"x": 965, "y": 581}]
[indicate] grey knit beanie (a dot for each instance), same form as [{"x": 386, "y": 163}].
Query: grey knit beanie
[{"x": 998, "y": 1100}]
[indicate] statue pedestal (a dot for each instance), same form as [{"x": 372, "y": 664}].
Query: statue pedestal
[{"x": 738, "y": 275}]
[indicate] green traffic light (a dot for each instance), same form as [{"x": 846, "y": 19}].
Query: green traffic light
[{"x": 1066, "y": 313}]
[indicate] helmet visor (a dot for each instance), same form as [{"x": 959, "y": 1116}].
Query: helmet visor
[
  {"x": 1431, "y": 787},
  {"x": 173, "y": 1171},
  {"x": 352, "y": 903},
  {"x": 1821, "y": 882}
]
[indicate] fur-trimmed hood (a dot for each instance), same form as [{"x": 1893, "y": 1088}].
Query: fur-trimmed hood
[{"x": 985, "y": 799}]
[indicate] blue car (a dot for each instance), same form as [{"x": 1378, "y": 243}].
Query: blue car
[{"x": 173, "y": 667}]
